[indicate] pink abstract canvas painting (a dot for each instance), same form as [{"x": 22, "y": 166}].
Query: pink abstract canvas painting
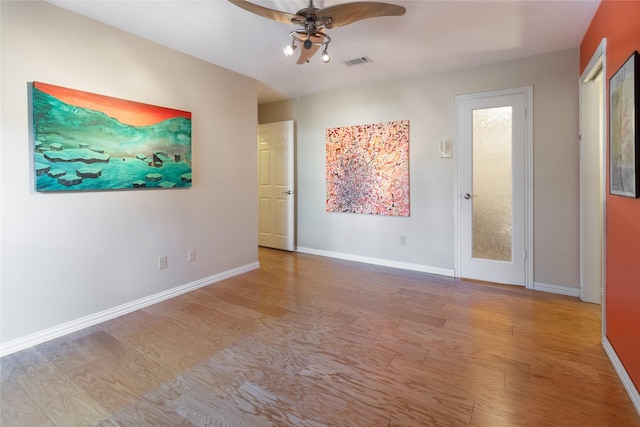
[{"x": 367, "y": 169}]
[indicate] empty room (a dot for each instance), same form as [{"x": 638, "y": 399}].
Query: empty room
[{"x": 327, "y": 213}]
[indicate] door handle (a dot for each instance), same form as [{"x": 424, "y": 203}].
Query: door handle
[
  {"x": 289, "y": 192},
  {"x": 468, "y": 196}
]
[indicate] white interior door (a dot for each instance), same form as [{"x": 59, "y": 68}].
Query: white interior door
[
  {"x": 493, "y": 179},
  {"x": 276, "y": 228},
  {"x": 592, "y": 182}
]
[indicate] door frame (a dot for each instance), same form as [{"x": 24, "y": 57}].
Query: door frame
[
  {"x": 527, "y": 91},
  {"x": 598, "y": 61}
]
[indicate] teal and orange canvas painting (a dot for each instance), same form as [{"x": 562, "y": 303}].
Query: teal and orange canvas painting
[{"x": 85, "y": 141}]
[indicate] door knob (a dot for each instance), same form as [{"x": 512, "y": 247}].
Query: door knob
[
  {"x": 467, "y": 196},
  {"x": 287, "y": 192}
]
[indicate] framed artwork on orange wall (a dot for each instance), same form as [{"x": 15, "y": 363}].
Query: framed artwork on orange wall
[{"x": 624, "y": 150}]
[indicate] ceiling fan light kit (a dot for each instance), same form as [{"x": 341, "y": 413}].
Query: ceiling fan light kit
[
  {"x": 325, "y": 56},
  {"x": 316, "y": 21}
]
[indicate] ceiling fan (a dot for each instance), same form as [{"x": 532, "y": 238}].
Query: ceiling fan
[{"x": 315, "y": 21}]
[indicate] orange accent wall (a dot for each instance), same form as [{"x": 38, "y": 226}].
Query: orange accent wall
[{"x": 619, "y": 22}]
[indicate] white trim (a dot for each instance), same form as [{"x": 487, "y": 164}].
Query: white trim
[
  {"x": 529, "y": 219},
  {"x": 93, "y": 319},
  {"x": 633, "y": 392},
  {"x": 598, "y": 62},
  {"x": 378, "y": 261},
  {"x": 527, "y": 91},
  {"x": 556, "y": 289},
  {"x": 597, "y": 59}
]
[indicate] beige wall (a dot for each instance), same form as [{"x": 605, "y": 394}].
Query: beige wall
[
  {"x": 68, "y": 256},
  {"x": 428, "y": 103}
]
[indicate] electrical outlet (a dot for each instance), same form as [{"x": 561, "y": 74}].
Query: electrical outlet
[
  {"x": 403, "y": 240},
  {"x": 162, "y": 262},
  {"x": 191, "y": 255}
]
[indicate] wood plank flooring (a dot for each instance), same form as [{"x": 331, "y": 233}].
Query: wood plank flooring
[{"x": 312, "y": 341}]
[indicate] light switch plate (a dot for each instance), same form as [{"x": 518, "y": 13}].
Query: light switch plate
[{"x": 445, "y": 148}]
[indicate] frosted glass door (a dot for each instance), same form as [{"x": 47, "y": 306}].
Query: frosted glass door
[{"x": 491, "y": 230}]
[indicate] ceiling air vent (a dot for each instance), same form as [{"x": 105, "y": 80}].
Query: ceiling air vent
[{"x": 358, "y": 61}]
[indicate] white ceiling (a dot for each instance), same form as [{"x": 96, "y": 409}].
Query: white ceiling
[{"x": 432, "y": 36}]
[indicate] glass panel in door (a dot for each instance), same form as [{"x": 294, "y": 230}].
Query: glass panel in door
[{"x": 492, "y": 211}]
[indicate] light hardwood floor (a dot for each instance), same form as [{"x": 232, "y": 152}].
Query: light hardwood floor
[{"x": 312, "y": 341}]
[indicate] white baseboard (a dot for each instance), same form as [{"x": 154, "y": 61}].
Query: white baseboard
[
  {"x": 378, "y": 261},
  {"x": 633, "y": 392},
  {"x": 538, "y": 286},
  {"x": 556, "y": 289},
  {"x": 93, "y": 319}
]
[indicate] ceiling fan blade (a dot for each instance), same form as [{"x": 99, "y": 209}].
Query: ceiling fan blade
[
  {"x": 306, "y": 54},
  {"x": 343, "y": 14},
  {"x": 276, "y": 15}
]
